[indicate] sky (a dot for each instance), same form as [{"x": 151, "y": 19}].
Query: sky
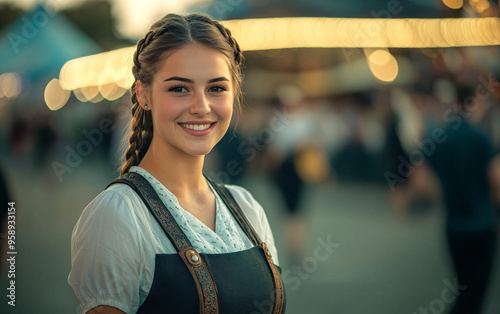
[{"x": 133, "y": 16}]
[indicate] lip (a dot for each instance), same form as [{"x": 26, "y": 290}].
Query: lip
[{"x": 198, "y": 132}]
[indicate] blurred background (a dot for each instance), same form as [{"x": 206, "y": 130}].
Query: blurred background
[{"x": 331, "y": 140}]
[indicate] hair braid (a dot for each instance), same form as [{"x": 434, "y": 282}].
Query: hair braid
[
  {"x": 238, "y": 55},
  {"x": 145, "y": 42},
  {"x": 141, "y": 134}
]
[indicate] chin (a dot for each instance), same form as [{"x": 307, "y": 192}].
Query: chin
[
  {"x": 199, "y": 154},
  {"x": 198, "y": 151}
]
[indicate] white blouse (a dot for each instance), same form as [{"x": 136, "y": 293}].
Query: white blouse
[{"x": 114, "y": 243}]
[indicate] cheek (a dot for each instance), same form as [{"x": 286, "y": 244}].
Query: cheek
[
  {"x": 168, "y": 108},
  {"x": 222, "y": 107},
  {"x": 228, "y": 107},
  {"x": 226, "y": 111}
]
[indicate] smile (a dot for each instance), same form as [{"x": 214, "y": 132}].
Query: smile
[
  {"x": 196, "y": 127},
  {"x": 201, "y": 128}
]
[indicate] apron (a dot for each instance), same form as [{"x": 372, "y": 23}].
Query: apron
[{"x": 189, "y": 282}]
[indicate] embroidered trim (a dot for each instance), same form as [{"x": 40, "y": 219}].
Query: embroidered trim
[
  {"x": 209, "y": 294},
  {"x": 245, "y": 225},
  {"x": 278, "y": 284}
]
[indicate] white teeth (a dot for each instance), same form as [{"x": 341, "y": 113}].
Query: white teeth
[{"x": 196, "y": 127}]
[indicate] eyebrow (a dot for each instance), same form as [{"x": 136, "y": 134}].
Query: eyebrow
[{"x": 183, "y": 79}]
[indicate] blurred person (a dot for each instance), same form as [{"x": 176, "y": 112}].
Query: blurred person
[
  {"x": 356, "y": 160},
  {"x": 18, "y": 137},
  {"x": 334, "y": 132},
  {"x": 394, "y": 151},
  {"x": 45, "y": 136},
  {"x": 412, "y": 184},
  {"x": 163, "y": 238},
  {"x": 230, "y": 163},
  {"x": 465, "y": 163},
  {"x": 295, "y": 160}
]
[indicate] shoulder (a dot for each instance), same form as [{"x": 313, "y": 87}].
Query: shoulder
[
  {"x": 111, "y": 215},
  {"x": 118, "y": 201},
  {"x": 106, "y": 240},
  {"x": 241, "y": 194},
  {"x": 252, "y": 209},
  {"x": 256, "y": 216}
]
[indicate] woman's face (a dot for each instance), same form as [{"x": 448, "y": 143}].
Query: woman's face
[{"x": 191, "y": 100}]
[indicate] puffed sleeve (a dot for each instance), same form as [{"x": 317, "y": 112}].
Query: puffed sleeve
[
  {"x": 106, "y": 255},
  {"x": 257, "y": 217}
]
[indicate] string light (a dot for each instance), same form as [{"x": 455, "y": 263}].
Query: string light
[
  {"x": 90, "y": 92},
  {"x": 55, "y": 96},
  {"x": 111, "y": 91},
  {"x": 382, "y": 63},
  {"x": 454, "y": 4},
  {"x": 480, "y": 5},
  {"x": 97, "y": 71},
  {"x": 10, "y": 85}
]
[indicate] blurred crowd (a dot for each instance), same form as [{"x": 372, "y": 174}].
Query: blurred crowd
[{"x": 369, "y": 136}]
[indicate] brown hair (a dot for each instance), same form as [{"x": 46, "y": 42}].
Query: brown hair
[{"x": 165, "y": 36}]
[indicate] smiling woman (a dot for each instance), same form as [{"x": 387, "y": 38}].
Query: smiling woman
[
  {"x": 163, "y": 237},
  {"x": 192, "y": 94}
]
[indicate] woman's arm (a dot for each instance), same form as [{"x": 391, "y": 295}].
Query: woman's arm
[
  {"x": 106, "y": 255},
  {"x": 104, "y": 309}
]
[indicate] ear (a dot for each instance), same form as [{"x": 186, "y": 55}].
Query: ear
[{"x": 142, "y": 95}]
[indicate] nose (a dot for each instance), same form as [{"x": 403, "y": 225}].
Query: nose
[{"x": 200, "y": 105}]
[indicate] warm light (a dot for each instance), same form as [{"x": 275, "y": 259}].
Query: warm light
[
  {"x": 312, "y": 165},
  {"x": 454, "y": 4},
  {"x": 114, "y": 67},
  {"x": 482, "y": 6},
  {"x": 10, "y": 85},
  {"x": 55, "y": 96},
  {"x": 79, "y": 95},
  {"x": 279, "y": 33},
  {"x": 379, "y": 57},
  {"x": 90, "y": 92},
  {"x": 126, "y": 81},
  {"x": 97, "y": 98},
  {"x": 111, "y": 91},
  {"x": 99, "y": 69},
  {"x": 383, "y": 65},
  {"x": 403, "y": 35}
]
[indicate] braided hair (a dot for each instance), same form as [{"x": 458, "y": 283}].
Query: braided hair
[{"x": 165, "y": 36}]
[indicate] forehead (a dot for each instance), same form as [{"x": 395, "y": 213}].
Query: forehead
[{"x": 195, "y": 61}]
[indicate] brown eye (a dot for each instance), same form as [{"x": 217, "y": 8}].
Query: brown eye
[
  {"x": 177, "y": 89},
  {"x": 217, "y": 89}
]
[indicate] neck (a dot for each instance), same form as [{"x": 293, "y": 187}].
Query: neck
[{"x": 180, "y": 173}]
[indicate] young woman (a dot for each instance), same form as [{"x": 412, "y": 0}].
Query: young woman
[{"x": 163, "y": 238}]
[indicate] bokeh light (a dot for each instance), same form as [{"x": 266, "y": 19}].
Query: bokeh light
[
  {"x": 10, "y": 85},
  {"x": 382, "y": 64},
  {"x": 281, "y": 33},
  {"x": 90, "y": 92},
  {"x": 111, "y": 91},
  {"x": 55, "y": 96},
  {"x": 454, "y": 4}
]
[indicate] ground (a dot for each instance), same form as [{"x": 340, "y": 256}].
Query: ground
[{"x": 378, "y": 263}]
